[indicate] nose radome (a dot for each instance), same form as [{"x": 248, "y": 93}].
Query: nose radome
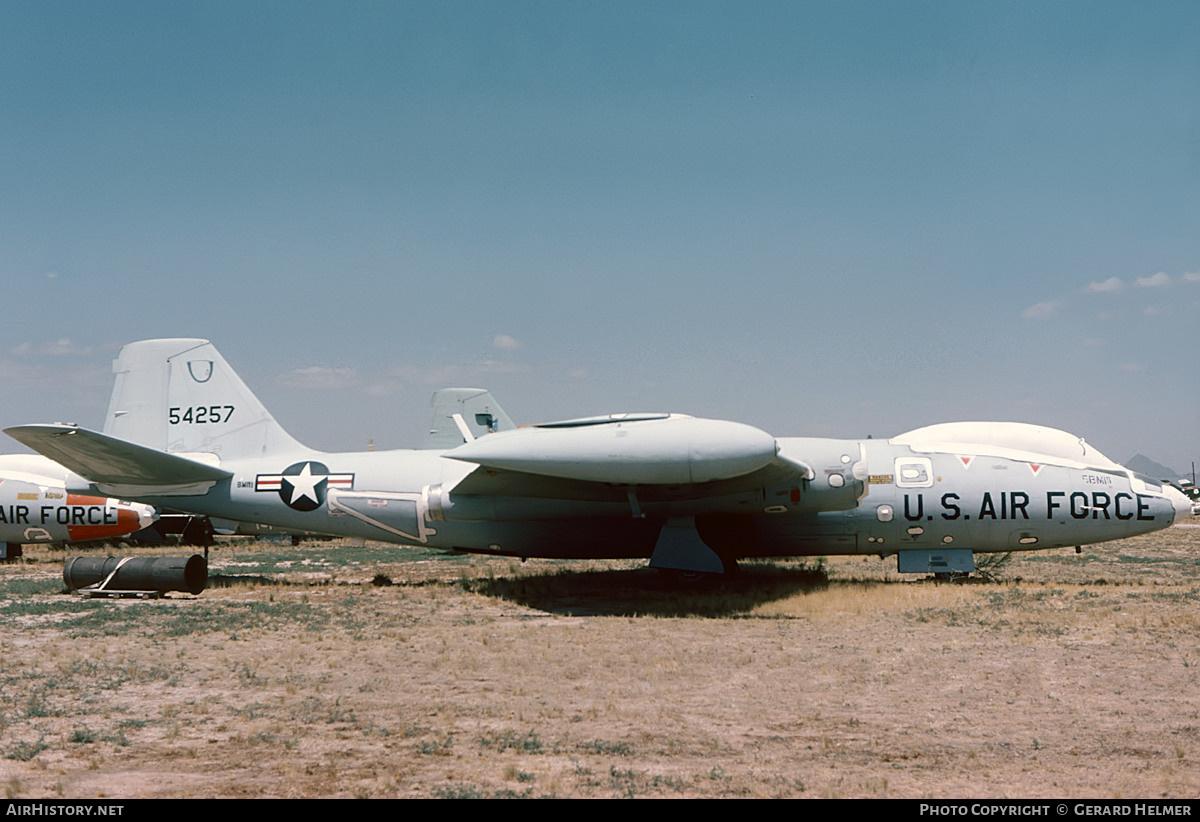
[{"x": 1182, "y": 505}]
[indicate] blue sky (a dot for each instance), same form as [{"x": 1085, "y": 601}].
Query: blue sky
[{"x": 830, "y": 219}]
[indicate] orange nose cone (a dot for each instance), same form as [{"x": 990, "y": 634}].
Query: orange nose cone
[
  {"x": 102, "y": 518},
  {"x": 127, "y": 520}
]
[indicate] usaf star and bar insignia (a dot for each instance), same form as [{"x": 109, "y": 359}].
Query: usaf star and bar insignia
[{"x": 303, "y": 485}]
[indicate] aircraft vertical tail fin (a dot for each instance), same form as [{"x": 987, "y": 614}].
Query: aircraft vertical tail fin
[
  {"x": 179, "y": 395},
  {"x": 462, "y": 415}
]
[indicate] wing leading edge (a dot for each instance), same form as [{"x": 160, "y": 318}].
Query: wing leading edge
[{"x": 114, "y": 464}]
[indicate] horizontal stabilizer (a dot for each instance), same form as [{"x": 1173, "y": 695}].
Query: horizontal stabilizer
[{"x": 100, "y": 458}]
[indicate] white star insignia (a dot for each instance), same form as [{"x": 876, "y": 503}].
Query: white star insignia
[{"x": 304, "y": 484}]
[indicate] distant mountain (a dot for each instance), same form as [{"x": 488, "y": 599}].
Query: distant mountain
[{"x": 1144, "y": 465}]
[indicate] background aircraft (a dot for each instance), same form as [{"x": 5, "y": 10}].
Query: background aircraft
[
  {"x": 183, "y": 431},
  {"x": 1189, "y": 489},
  {"x": 36, "y": 507}
]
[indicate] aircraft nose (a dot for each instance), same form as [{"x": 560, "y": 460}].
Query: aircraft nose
[{"x": 1183, "y": 505}]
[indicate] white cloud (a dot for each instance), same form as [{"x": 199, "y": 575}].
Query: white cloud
[
  {"x": 384, "y": 388},
  {"x": 75, "y": 382},
  {"x": 64, "y": 347},
  {"x": 1040, "y": 311},
  {"x": 319, "y": 378},
  {"x": 19, "y": 375},
  {"x": 454, "y": 373},
  {"x": 430, "y": 374},
  {"x": 1156, "y": 281},
  {"x": 1111, "y": 284},
  {"x": 58, "y": 348},
  {"x": 498, "y": 367},
  {"x": 1191, "y": 277},
  {"x": 506, "y": 343}
]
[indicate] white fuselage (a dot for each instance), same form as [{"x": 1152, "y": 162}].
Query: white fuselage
[{"x": 861, "y": 497}]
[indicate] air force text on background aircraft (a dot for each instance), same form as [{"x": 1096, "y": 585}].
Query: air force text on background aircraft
[{"x": 1061, "y": 809}]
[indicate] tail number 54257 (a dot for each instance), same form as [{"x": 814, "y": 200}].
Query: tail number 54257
[{"x": 199, "y": 414}]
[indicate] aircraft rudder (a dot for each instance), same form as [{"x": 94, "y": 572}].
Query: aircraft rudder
[{"x": 140, "y": 381}]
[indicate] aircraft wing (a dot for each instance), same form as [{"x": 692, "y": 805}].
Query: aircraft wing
[
  {"x": 499, "y": 482},
  {"x": 667, "y": 458},
  {"x": 113, "y": 462}
]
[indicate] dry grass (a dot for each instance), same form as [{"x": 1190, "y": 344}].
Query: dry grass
[{"x": 1071, "y": 675}]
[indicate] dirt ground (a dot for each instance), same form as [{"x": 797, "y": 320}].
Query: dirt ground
[{"x": 334, "y": 670}]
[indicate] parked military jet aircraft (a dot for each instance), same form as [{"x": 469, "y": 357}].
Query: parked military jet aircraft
[
  {"x": 183, "y": 431},
  {"x": 36, "y": 507}
]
